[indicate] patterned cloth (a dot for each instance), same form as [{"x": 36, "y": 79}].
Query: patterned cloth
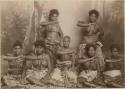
[
  {"x": 53, "y": 36},
  {"x": 65, "y": 76},
  {"x": 115, "y": 78},
  {"x": 90, "y": 34},
  {"x": 89, "y": 75},
  {"x": 36, "y": 74},
  {"x": 15, "y": 66},
  {"x": 39, "y": 67},
  {"x": 14, "y": 73},
  {"x": 112, "y": 73},
  {"x": 12, "y": 80},
  {"x": 59, "y": 75},
  {"x": 114, "y": 70},
  {"x": 99, "y": 54},
  {"x": 53, "y": 33}
]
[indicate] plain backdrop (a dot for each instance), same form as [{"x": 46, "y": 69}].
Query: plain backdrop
[{"x": 71, "y": 11}]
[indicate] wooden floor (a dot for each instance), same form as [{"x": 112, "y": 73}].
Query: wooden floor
[{"x": 35, "y": 87}]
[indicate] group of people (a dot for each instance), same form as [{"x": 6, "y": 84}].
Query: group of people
[{"x": 53, "y": 62}]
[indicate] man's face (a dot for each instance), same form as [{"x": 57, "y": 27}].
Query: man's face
[
  {"x": 93, "y": 18},
  {"x": 38, "y": 49},
  {"x": 115, "y": 52},
  {"x": 66, "y": 42},
  {"x": 91, "y": 52},
  {"x": 54, "y": 17},
  {"x": 17, "y": 50}
]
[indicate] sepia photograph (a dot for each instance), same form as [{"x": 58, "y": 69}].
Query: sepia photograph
[{"x": 62, "y": 44}]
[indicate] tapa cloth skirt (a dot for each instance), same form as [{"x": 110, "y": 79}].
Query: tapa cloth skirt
[
  {"x": 36, "y": 74},
  {"x": 59, "y": 75},
  {"x": 89, "y": 75}
]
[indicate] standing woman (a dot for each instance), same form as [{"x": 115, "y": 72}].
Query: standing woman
[
  {"x": 52, "y": 34},
  {"x": 93, "y": 31}
]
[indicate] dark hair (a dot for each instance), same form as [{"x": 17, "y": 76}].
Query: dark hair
[
  {"x": 88, "y": 46},
  {"x": 53, "y": 11},
  {"x": 113, "y": 46},
  {"x": 39, "y": 43},
  {"x": 17, "y": 43},
  {"x": 93, "y": 11},
  {"x": 67, "y": 37}
]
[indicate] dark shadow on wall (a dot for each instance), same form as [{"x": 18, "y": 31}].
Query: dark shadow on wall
[{"x": 113, "y": 26}]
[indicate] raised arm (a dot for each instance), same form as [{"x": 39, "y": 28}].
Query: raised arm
[
  {"x": 7, "y": 58},
  {"x": 31, "y": 57},
  {"x": 109, "y": 60},
  {"x": 83, "y": 60},
  {"x": 48, "y": 23},
  {"x": 82, "y": 24}
]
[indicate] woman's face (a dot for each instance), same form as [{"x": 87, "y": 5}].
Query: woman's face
[
  {"x": 93, "y": 18},
  {"x": 39, "y": 50},
  {"x": 66, "y": 42},
  {"x": 54, "y": 17},
  {"x": 115, "y": 52},
  {"x": 17, "y": 50},
  {"x": 91, "y": 52}
]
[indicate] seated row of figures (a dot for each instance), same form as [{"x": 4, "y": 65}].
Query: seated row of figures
[
  {"x": 68, "y": 70},
  {"x": 53, "y": 62}
]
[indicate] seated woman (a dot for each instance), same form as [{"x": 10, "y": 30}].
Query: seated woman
[
  {"x": 90, "y": 69},
  {"x": 63, "y": 75},
  {"x": 13, "y": 77},
  {"x": 114, "y": 69},
  {"x": 39, "y": 72}
]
